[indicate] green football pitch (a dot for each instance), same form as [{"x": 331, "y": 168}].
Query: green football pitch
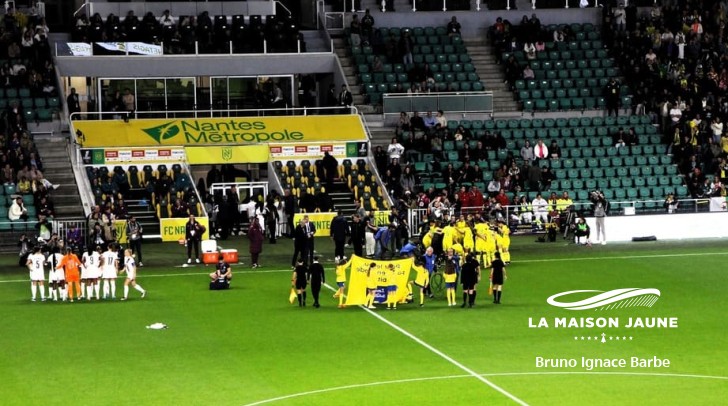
[{"x": 250, "y": 346}]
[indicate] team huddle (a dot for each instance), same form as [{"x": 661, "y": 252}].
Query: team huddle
[{"x": 72, "y": 279}]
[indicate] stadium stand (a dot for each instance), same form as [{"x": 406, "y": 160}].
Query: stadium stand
[
  {"x": 556, "y": 67},
  {"x": 202, "y": 33},
  {"x": 355, "y": 182},
  {"x": 28, "y": 94},
  {"x": 587, "y": 158},
  {"x": 436, "y": 61}
]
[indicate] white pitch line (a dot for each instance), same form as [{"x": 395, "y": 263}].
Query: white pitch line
[
  {"x": 165, "y": 275},
  {"x": 524, "y": 261},
  {"x": 435, "y": 378},
  {"x": 440, "y": 353}
]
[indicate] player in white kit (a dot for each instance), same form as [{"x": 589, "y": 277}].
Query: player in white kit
[
  {"x": 130, "y": 269},
  {"x": 90, "y": 273},
  {"x": 37, "y": 273},
  {"x": 109, "y": 270},
  {"x": 56, "y": 277}
]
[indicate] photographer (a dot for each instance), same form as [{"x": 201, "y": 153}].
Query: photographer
[
  {"x": 581, "y": 229},
  {"x": 134, "y": 234},
  {"x": 599, "y": 207},
  {"x": 25, "y": 245}
]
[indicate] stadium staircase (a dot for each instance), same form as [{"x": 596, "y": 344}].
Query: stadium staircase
[
  {"x": 491, "y": 75},
  {"x": 58, "y": 170},
  {"x": 342, "y": 49}
]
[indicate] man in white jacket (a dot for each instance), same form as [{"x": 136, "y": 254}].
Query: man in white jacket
[
  {"x": 18, "y": 211},
  {"x": 540, "y": 209}
]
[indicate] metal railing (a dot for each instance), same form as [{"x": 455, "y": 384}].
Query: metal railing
[
  {"x": 207, "y": 113},
  {"x": 417, "y": 217},
  {"x": 82, "y": 49},
  {"x": 453, "y": 102},
  {"x": 373, "y": 163}
]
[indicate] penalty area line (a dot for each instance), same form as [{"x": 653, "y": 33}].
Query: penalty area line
[
  {"x": 495, "y": 374},
  {"x": 440, "y": 354}
]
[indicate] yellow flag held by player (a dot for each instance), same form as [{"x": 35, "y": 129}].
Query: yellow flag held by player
[
  {"x": 292, "y": 296},
  {"x": 357, "y": 292}
]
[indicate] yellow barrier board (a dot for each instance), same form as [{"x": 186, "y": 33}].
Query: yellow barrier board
[
  {"x": 322, "y": 222},
  {"x": 219, "y": 131},
  {"x": 173, "y": 229},
  {"x": 228, "y": 154}
]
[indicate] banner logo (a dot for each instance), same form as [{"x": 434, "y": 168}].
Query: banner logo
[
  {"x": 227, "y": 154},
  {"x": 162, "y": 132},
  {"x": 613, "y": 299}
]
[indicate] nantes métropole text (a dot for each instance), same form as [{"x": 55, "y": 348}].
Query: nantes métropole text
[
  {"x": 603, "y": 322},
  {"x": 235, "y": 131}
]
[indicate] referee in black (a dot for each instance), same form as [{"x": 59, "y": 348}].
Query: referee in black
[
  {"x": 497, "y": 276},
  {"x": 338, "y": 230},
  {"x": 298, "y": 280},
  {"x": 469, "y": 275},
  {"x": 316, "y": 277}
]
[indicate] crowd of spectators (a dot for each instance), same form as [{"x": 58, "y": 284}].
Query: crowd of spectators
[
  {"x": 181, "y": 35},
  {"x": 676, "y": 61},
  {"x": 516, "y": 181},
  {"x": 24, "y": 47}
]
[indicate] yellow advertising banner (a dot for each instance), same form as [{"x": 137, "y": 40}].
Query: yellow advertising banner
[
  {"x": 321, "y": 221},
  {"x": 381, "y": 217},
  {"x": 228, "y": 154},
  {"x": 357, "y": 292},
  {"x": 218, "y": 131},
  {"x": 120, "y": 226},
  {"x": 173, "y": 229}
]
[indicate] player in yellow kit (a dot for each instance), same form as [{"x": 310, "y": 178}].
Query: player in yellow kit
[
  {"x": 451, "y": 278},
  {"x": 505, "y": 242},
  {"x": 341, "y": 281},
  {"x": 391, "y": 285},
  {"x": 422, "y": 278},
  {"x": 371, "y": 285}
]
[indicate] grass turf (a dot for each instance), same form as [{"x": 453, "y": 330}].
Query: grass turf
[{"x": 248, "y": 344}]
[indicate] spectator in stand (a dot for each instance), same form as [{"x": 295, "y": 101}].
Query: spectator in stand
[
  {"x": 73, "y": 102},
  {"x": 618, "y": 138},
  {"x": 530, "y": 50},
  {"x": 380, "y": 159},
  {"x": 540, "y": 209},
  {"x": 406, "y": 45},
  {"x": 528, "y": 73},
  {"x": 179, "y": 209},
  {"x": 403, "y": 124},
  {"x": 367, "y": 26},
  {"x": 453, "y": 27},
  {"x": 430, "y": 122},
  {"x": 494, "y": 186},
  {"x": 17, "y": 211},
  {"x": 527, "y": 152},
  {"x": 540, "y": 150},
  {"x": 554, "y": 150},
  {"x": 441, "y": 119},
  {"x": 716, "y": 128},
  {"x": 355, "y": 30},
  {"x": 416, "y": 122},
  {"x": 395, "y": 150},
  {"x": 546, "y": 178}
]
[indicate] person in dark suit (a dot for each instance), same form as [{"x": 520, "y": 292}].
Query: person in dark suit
[
  {"x": 74, "y": 106},
  {"x": 357, "y": 235},
  {"x": 290, "y": 207},
  {"x": 310, "y": 232},
  {"x": 193, "y": 236},
  {"x": 316, "y": 277},
  {"x": 298, "y": 282},
  {"x": 345, "y": 99},
  {"x": 338, "y": 230},
  {"x": 299, "y": 243}
]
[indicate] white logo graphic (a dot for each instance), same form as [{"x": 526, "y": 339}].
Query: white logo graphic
[{"x": 614, "y": 299}]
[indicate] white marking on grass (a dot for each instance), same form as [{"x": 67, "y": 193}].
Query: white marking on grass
[
  {"x": 165, "y": 275},
  {"x": 690, "y": 254},
  {"x": 497, "y": 374},
  {"x": 440, "y": 353}
]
